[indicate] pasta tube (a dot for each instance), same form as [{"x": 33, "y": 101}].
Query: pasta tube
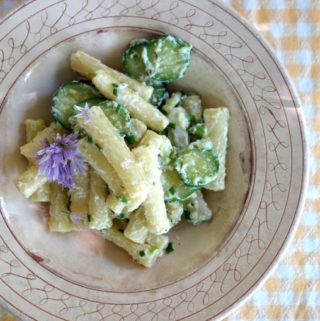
[
  {"x": 88, "y": 66},
  {"x": 33, "y": 127},
  {"x": 137, "y": 230},
  {"x": 59, "y": 220},
  {"x": 28, "y": 150},
  {"x": 145, "y": 254},
  {"x": 154, "y": 205},
  {"x": 30, "y": 181},
  {"x": 99, "y": 213},
  {"x": 115, "y": 150},
  {"x": 137, "y": 106},
  {"x": 216, "y": 120},
  {"x": 100, "y": 164},
  {"x": 79, "y": 194}
]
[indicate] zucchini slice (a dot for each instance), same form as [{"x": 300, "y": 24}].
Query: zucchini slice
[
  {"x": 67, "y": 96},
  {"x": 91, "y": 102},
  {"x": 160, "y": 93},
  {"x": 117, "y": 114},
  {"x": 173, "y": 186},
  {"x": 197, "y": 167},
  {"x": 132, "y": 61},
  {"x": 167, "y": 58}
]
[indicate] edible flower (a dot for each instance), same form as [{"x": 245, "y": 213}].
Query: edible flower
[
  {"x": 60, "y": 160},
  {"x": 83, "y": 112}
]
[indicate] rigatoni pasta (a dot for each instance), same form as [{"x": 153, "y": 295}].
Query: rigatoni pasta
[
  {"x": 216, "y": 120},
  {"x": 33, "y": 127},
  {"x": 60, "y": 220},
  {"x": 120, "y": 158},
  {"x": 137, "y": 106},
  {"x": 99, "y": 213},
  {"x": 28, "y": 150},
  {"x": 101, "y": 165},
  {"x": 88, "y": 66},
  {"x": 154, "y": 205}
]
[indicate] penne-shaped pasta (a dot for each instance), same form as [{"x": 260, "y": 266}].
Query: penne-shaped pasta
[
  {"x": 137, "y": 230},
  {"x": 59, "y": 220},
  {"x": 115, "y": 150},
  {"x": 30, "y": 181},
  {"x": 79, "y": 194},
  {"x": 139, "y": 129},
  {"x": 154, "y": 206},
  {"x": 99, "y": 213},
  {"x": 197, "y": 209},
  {"x": 158, "y": 242},
  {"x": 216, "y": 120},
  {"x": 115, "y": 204},
  {"x": 28, "y": 150},
  {"x": 152, "y": 139},
  {"x": 33, "y": 127},
  {"x": 137, "y": 106},
  {"x": 88, "y": 67},
  {"x": 145, "y": 254},
  {"x": 174, "y": 212},
  {"x": 101, "y": 165},
  {"x": 42, "y": 194}
]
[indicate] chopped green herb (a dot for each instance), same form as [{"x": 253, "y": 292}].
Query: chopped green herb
[
  {"x": 122, "y": 216},
  {"x": 172, "y": 190},
  {"x": 98, "y": 146},
  {"x": 199, "y": 130},
  {"x": 121, "y": 230},
  {"x": 118, "y": 107},
  {"x": 192, "y": 119},
  {"x": 172, "y": 155},
  {"x": 186, "y": 214},
  {"x": 131, "y": 139},
  {"x": 90, "y": 140},
  {"x": 122, "y": 199},
  {"x": 169, "y": 248},
  {"x": 142, "y": 253},
  {"x": 172, "y": 125},
  {"x": 115, "y": 89}
]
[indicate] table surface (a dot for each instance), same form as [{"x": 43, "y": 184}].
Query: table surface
[{"x": 292, "y": 27}]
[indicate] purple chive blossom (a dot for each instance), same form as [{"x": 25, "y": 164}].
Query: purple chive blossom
[
  {"x": 83, "y": 112},
  {"x": 60, "y": 160}
]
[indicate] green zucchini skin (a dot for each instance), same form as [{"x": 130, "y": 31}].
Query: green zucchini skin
[
  {"x": 167, "y": 58},
  {"x": 174, "y": 188},
  {"x": 197, "y": 166},
  {"x": 68, "y": 95}
]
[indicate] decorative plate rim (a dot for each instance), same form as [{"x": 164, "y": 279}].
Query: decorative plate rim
[{"x": 295, "y": 98}]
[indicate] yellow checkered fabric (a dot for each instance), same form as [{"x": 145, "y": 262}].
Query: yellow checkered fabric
[{"x": 292, "y": 27}]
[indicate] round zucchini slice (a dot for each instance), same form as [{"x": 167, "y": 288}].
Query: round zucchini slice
[
  {"x": 67, "y": 96},
  {"x": 167, "y": 59},
  {"x": 197, "y": 167},
  {"x": 132, "y": 60},
  {"x": 174, "y": 188}
]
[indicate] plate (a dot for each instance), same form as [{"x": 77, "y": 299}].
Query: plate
[{"x": 78, "y": 276}]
